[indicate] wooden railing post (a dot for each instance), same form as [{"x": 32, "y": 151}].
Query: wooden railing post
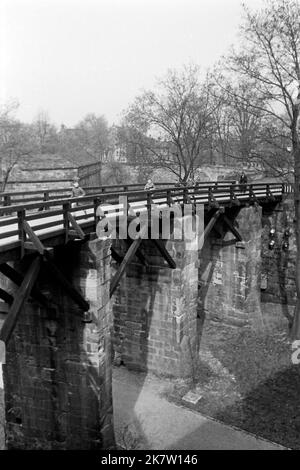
[
  {"x": 185, "y": 195},
  {"x": 7, "y": 200},
  {"x": 45, "y": 198},
  {"x": 210, "y": 195},
  {"x": 169, "y": 198},
  {"x": 232, "y": 195},
  {"x": 149, "y": 202},
  {"x": 97, "y": 202},
  {"x": 22, "y": 233},
  {"x": 66, "y": 210}
]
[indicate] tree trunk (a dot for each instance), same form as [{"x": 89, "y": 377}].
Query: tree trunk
[
  {"x": 295, "y": 330},
  {"x": 6, "y": 178},
  {"x": 100, "y": 172}
]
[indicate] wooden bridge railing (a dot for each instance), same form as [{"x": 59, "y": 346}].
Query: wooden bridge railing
[
  {"x": 66, "y": 214},
  {"x": 9, "y": 198}
]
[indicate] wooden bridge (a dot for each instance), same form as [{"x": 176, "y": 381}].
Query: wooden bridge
[
  {"x": 53, "y": 217},
  {"x": 35, "y": 222}
]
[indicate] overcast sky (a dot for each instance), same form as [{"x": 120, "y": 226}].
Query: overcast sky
[{"x": 72, "y": 57}]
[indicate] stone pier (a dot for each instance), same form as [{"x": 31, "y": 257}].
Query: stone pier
[
  {"x": 229, "y": 275},
  {"x": 57, "y": 377},
  {"x": 155, "y": 313}
]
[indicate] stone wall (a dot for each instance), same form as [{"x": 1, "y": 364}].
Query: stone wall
[
  {"x": 35, "y": 179},
  {"x": 279, "y": 265},
  {"x": 229, "y": 274},
  {"x": 57, "y": 377},
  {"x": 155, "y": 313},
  {"x": 40, "y": 171}
]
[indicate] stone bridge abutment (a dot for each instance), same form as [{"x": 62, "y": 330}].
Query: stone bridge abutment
[{"x": 57, "y": 376}]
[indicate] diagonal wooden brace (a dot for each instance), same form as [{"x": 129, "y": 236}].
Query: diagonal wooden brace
[
  {"x": 20, "y": 299},
  {"x": 126, "y": 260},
  {"x": 78, "y": 232},
  {"x": 231, "y": 227},
  {"x": 210, "y": 225},
  {"x": 164, "y": 252},
  {"x": 139, "y": 254},
  {"x": 36, "y": 243},
  {"x": 59, "y": 276},
  {"x": 6, "y": 297},
  {"x": 115, "y": 255},
  {"x": 17, "y": 279}
]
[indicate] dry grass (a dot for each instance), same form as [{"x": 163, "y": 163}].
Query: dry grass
[
  {"x": 1, "y": 419},
  {"x": 247, "y": 380}
]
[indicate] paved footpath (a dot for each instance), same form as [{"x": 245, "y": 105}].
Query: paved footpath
[{"x": 142, "y": 416}]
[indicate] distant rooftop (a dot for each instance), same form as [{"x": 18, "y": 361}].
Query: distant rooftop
[{"x": 46, "y": 161}]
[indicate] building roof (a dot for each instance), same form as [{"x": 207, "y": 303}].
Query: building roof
[{"x": 46, "y": 161}]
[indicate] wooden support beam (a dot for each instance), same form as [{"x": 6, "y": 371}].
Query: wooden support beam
[
  {"x": 212, "y": 202},
  {"x": 33, "y": 238},
  {"x": 164, "y": 252},
  {"x": 17, "y": 279},
  {"x": 115, "y": 255},
  {"x": 6, "y": 297},
  {"x": 232, "y": 228},
  {"x": 219, "y": 229},
  {"x": 252, "y": 195},
  {"x": 59, "y": 276},
  {"x": 20, "y": 299},
  {"x": 127, "y": 258},
  {"x": 210, "y": 225},
  {"x": 270, "y": 195},
  {"x": 77, "y": 229},
  {"x": 139, "y": 254},
  {"x": 233, "y": 199},
  {"x": 22, "y": 234}
]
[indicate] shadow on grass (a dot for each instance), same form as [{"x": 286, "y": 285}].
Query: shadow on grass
[
  {"x": 268, "y": 385},
  {"x": 247, "y": 380},
  {"x": 2, "y": 440},
  {"x": 271, "y": 410}
]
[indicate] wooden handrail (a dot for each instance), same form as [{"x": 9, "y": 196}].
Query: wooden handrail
[
  {"x": 137, "y": 196},
  {"x": 44, "y": 191},
  {"x": 66, "y": 212}
]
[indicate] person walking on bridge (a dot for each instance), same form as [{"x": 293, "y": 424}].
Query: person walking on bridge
[
  {"x": 243, "y": 182},
  {"x": 77, "y": 191},
  {"x": 149, "y": 186}
]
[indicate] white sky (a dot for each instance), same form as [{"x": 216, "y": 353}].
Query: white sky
[{"x": 72, "y": 57}]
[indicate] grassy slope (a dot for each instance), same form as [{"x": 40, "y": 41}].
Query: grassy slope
[
  {"x": 1, "y": 420},
  {"x": 249, "y": 381}
]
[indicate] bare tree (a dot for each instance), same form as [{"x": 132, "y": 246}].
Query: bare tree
[
  {"x": 238, "y": 127},
  {"x": 174, "y": 123},
  {"x": 138, "y": 149},
  {"x": 45, "y": 134},
  {"x": 16, "y": 141},
  {"x": 269, "y": 60},
  {"x": 245, "y": 133}
]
